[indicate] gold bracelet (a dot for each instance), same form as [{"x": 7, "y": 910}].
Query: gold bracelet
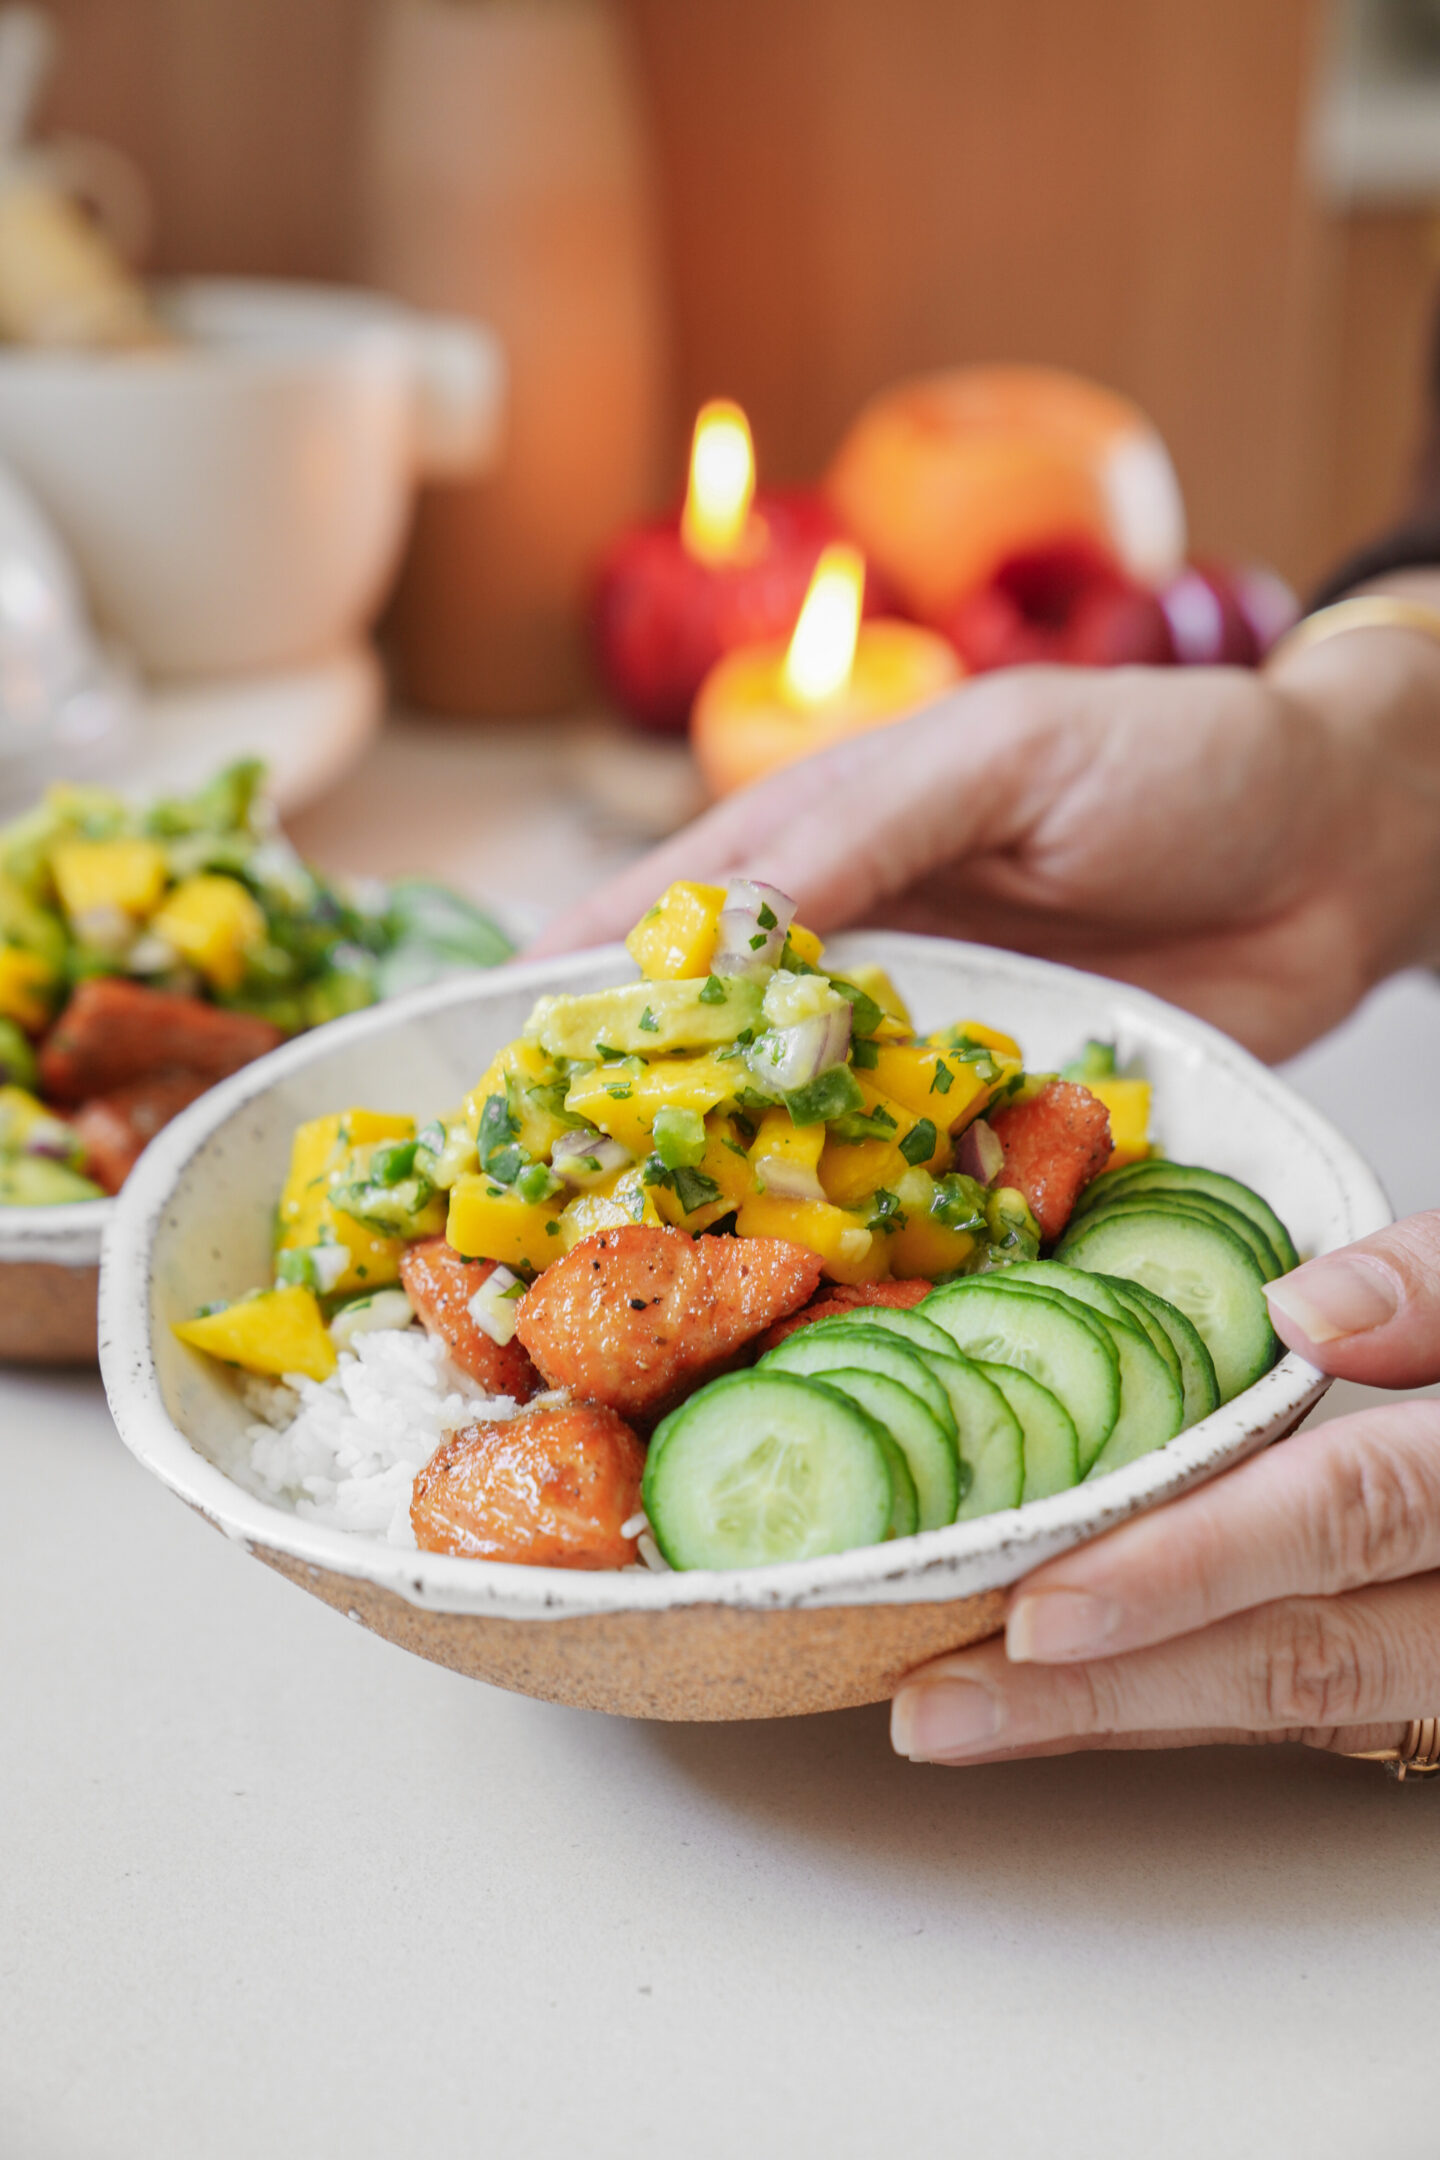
[{"x": 1364, "y": 611}]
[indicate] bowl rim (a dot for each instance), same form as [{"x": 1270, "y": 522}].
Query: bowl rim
[{"x": 935, "y": 1565}]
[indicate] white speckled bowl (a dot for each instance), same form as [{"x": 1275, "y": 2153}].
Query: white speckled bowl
[{"x": 193, "y": 1224}]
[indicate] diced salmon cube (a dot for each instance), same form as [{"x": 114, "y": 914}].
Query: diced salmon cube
[
  {"x": 115, "y": 1129},
  {"x": 847, "y": 1297},
  {"x": 1054, "y": 1145},
  {"x": 113, "y": 1032},
  {"x": 635, "y": 1317},
  {"x": 550, "y": 1488},
  {"x": 440, "y": 1285}
]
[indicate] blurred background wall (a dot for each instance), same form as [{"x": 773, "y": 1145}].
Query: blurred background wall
[{"x": 847, "y": 192}]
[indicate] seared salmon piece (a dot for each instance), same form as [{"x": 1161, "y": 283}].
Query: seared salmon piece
[
  {"x": 550, "y": 1488},
  {"x": 636, "y": 1317},
  {"x": 844, "y": 1298},
  {"x": 1053, "y": 1145},
  {"x": 440, "y": 1285},
  {"x": 115, "y": 1129},
  {"x": 112, "y": 1032}
]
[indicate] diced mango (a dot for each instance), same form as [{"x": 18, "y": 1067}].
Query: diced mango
[
  {"x": 491, "y": 1222},
  {"x": 214, "y": 922},
  {"x": 626, "y": 1199},
  {"x": 1128, "y": 1102},
  {"x": 279, "y": 1331},
  {"x": 676, "y": 938},
  {"x": 726, "y": 1164},
  {"x": 323, "y": 1151},
  {"x": 782, "y": 1147},
  {"x": 26, "y": 983},
  {"x": 848, "y": 1252},
  {"x": 877, "y": 984},
  {"x": 989, "y": 1038},
  {"x": 103, "y": 874},
  {"x": 519, "y": 1073},
  {"x": 807, "y": 947},
  {"x": 909, "y": 1073},
  {"x": 851, "y": 1170},
  {"x": 623, "y": 1102},
  {"x": 927, "y": 1248}
]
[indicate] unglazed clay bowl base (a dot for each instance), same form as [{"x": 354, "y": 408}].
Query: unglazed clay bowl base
[
  {"x": 193, "y": 1225},
  {"x": 49, "y": 1279}
]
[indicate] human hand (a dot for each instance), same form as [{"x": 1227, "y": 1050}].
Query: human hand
[
  {"x": 1295, "y": 1598},
  {"x": 1259, "y": 848}
]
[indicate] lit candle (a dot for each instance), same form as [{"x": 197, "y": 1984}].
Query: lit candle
[
  {"x": 770, "y": 703},
  {"x": 731, "y": 568}
]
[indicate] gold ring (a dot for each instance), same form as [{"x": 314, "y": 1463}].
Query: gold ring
[
  {"x": 1362, "y": 611},
  {"x": 1417, "y": 1756}
]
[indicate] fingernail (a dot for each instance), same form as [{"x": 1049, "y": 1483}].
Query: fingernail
[
  {"x": 1343, "y": 1294},
  {"x": 1051, "y": 1625},
  {"x": 943, "y": 1718}
]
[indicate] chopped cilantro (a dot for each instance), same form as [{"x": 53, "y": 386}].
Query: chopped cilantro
[
  {"x": 714, "y": 992},
  {"x": 918, "y": 1144},
  {"x": 767, "y": 918},
  {"x": 648, "y": 1022},
  {"x": 552, "y": 1229},
  {"x": 605, "y": 1052},
  {"x": 621, "y": 1091},
  {"x": 942, "y": 1079},
  {"x": 889, "y": 1216},
  {"x": 758, "y": 941}
]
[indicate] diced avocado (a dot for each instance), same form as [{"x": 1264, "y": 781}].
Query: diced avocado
[
  {"x": 24, "y": 922},
  {"x": 644, "y": 1019},
  {"x": 34, "y": 1181},
  {"x": 17, "y": 1059}
]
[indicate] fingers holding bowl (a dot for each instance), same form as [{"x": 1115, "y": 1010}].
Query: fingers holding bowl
[
  {"x": 1370, "y": 1312},
  {"x": 1309, "y": 1668}
]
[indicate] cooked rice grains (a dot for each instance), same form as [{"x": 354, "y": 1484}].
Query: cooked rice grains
[{"x": 346, "y": 1451}]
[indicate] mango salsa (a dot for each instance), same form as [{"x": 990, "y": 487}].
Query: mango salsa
[
  {"x": 213, "y": 922},
  {"x": 622, "y": 1101},
  {"x": 727, "y": 1166},
  {"x": 1128, "y": 1102},
  {"x": 26, "y": 983},
  {"x": 277, "y": 1332},
  {"x": 848, "y": 1251},
  {"x": 676, "y": 938},
  {"x": 324, "y": 1151},
  {"x": 625, "y": 1199}
]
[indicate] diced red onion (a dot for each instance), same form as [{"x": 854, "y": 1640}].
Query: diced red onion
[
  {"x": 980, "y": 1153},
  {"x": 787, "y": 1057},
  {"x": 494, "y": 1308},
  {"x": 329, "y": 1263},
  {"x": 584, "y": 1159},
  {"x": 50, "y": 1140},
  {"x": 736, "y": 950},
  {"x": 784, "y": 1179}
]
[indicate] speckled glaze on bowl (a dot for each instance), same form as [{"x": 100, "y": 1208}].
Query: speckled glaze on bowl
[{"x": 193, "y": 1224}]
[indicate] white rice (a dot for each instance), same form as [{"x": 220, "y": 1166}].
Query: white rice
[{"x": 346, "y": 1451}]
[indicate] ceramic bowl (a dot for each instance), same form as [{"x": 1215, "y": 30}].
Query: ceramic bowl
[{"x": 193, "y": 1224}]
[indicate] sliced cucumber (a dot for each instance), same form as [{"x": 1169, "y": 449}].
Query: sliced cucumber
[
  {"x": 1137, "y": 1310},
  {"x": 1052, "y": 1447},
  {"x": 1197, "y": 1367},
  {"x": 927, "y": 1463},
  {"x": 1060, "y": 1343},
  {"x": 1187, "y": 1203},
  {"x": 909, "y": 1325},
  {"x": 1161, "y": 1176},
  {"x": 764, "y": 1466},
  {"x": 992, "y": 1446},
  {"x": 831, "y": 1344},
  {"x": 1152, "y": 1401},
  {"x": 1202, "y": 1269}
]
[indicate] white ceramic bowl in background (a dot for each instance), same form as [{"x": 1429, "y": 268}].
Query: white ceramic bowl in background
[
  {"x": 238, "y": 502},
  {"x": 194, "y": 1224}
]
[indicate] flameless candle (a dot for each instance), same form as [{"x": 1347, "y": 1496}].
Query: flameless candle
[
  {"x": 768, "y": 704},
  {"x": 730, "y": 569}
]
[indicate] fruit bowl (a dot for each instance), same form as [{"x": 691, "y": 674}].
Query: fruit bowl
[{"x": 194, "y": 1222}]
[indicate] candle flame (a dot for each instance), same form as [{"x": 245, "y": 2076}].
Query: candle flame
[
  {"x": 722, "y": 483},
  {"x": 822, "y": 649}
]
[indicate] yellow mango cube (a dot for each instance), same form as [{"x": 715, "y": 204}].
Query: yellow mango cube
[
  {"x": 213, "y": 922},
  {"x": 807, "y": 947},
  {"x": 517, "y": 1073},
  {"x": 675, "y": 939},
  {"x": 927, "y": 1248},
  {"x": 625, "y": 1199},
  {"x": 910, "y": 1074},
  {"x": 278, "y": 1332},
  {"x": 26, "y": 982},
  {"x": 851, "y": 1170},
  {"x": 783, "y": 1151},
  {"x": 726, "y": 1164},
  {"x": 1128, "y": 1102},
  {"x": 323, "y": 1151},
  {"x": 623, "y": 1102},
  {"x": 101, "y": 875},
  {"x": 491, "y": 1222},
  {"x": 848, "y": 1252},
  {"x": 877, "y": 984}
]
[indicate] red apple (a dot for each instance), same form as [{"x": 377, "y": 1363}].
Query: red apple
[
  {"x": 1221, "y": 616},
  {"x": 1067, "y": 603}
]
